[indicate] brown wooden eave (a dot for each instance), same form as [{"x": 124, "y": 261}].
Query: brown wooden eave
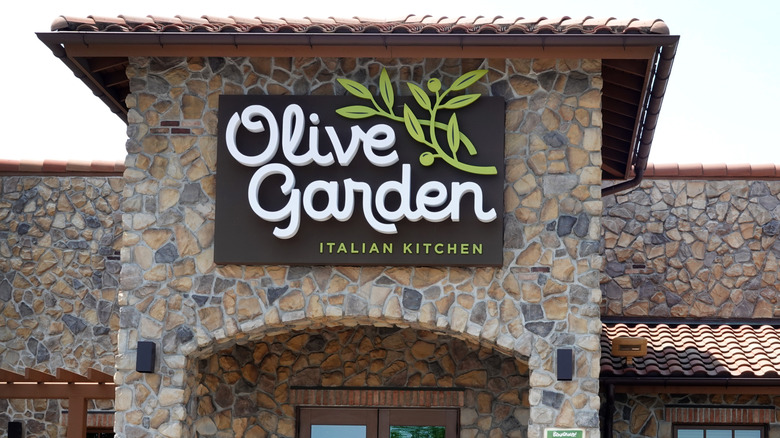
[{"x": 629, "y": 62}]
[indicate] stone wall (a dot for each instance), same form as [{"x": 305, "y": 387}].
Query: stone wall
[
  {"x": 693, "y": 249},
  {"x": 645, "y": 416},
  {"x": 544, "y": 297},
  {"x": 245, "y": 389},
  {"x": 59, "y": 271}
]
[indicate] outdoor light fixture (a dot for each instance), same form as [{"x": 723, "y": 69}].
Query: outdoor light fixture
[
  {"x": 15, "y": 429},
  {"x": 565, "y": 364},
  {"x": 144, "y": 361},
  {"x": 629, "y": 348}
]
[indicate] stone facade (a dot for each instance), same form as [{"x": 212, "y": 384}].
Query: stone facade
[
  {"x": 244, "y": 390},
  {"x": 545, "y": 296},
  {"x": 706, "y": 249},
  {"x": 693, "y": 249},
  {"x": 59, "y": 275},
  {"x": 642, "y": 416}
]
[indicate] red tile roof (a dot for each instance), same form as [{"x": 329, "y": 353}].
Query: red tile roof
[
  {"x": 71, "y": 167},
  {"x": 406, "y": 24},
  {"x": 695, "y": 351},
  {"x": 713, "y": 171}
]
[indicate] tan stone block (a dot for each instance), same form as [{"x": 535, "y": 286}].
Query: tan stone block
[
  {"x": 211, "y": 317},
  {"x": 592, "y": 139},
  {"x": 590, "y": 175},
  {"x": 156, "y": 238},
  {"x": 523, "y": 86},
  {"x": 393, "y": 308},
  {"x": 168, "y": 198},
  {"x": 556, "y": 308},
  {"x": 158, "y": 273},
  {"x": 525, "y": 185},
  {"x": 292, "y": 301},
  {"x": 154, "y": 144},
  {"x": 550, "y": 120},
  {"x": 538, "y": 163},
  {"x": 443, "y": 305},
  {"x": 563, "y": 270},
  {"x": 532, "y": 200},
  {"x": 459, "y": 319},
  {"x": 424, "y": 277},
  {"x": 557, "y": 167},
  {"x": 186, "y": 242},
  {"x": 181, "y": 284}
]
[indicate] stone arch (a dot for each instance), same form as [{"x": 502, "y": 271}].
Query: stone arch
[{"x": 246, "y": 388}]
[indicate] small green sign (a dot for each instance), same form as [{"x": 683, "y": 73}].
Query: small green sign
[{"x": 564, "y": 433}]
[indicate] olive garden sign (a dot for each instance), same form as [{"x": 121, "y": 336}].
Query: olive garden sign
[{"x": 362, "y": 179}]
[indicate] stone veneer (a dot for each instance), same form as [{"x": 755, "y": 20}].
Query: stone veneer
[
  {"x": 245, "y": 390},
  {"x": 693, "y": 249},
  {"x": 59, "y": 270},
  {"x": 646, "y": 416},
  {"x": 545, "y": 296}
]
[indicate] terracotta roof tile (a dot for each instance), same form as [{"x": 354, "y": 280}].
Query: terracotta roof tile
[
  {"x": 408, "y": 24},
  {"x": 695, "y": 351},
  {"x": 38, "y": 167}
]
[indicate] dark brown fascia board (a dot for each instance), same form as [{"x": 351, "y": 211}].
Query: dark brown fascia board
[
  {"x": 653, "y": 321},
  {"x": 693, "y": 385},
  {"x": 313, "y": 44}
]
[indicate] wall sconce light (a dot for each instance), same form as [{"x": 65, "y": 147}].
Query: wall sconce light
[
  {"x": 629, "y": 348},
  {"x": 15, "y": 429},
  {"x": 144, "y": 361},
  {"x": 565, "y": 363}
]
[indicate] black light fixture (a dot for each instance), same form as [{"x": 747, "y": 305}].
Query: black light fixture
[
  {"x": 565, "y": 363},
  {"x": 144, "y": 361},
  {"x": 15, "y": 429}
]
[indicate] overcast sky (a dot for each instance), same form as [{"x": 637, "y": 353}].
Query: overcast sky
[{"x": 720, "y": 105}]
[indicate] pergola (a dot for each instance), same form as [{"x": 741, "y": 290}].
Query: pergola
[{"x": 77, "y": 389}]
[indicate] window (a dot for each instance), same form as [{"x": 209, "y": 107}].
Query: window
[
  {"x": 699, "y": 431},
  {"x": 100, "y": 433},
  {"x": 377, "y": 423}
]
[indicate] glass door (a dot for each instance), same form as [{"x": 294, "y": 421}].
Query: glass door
[
  {"x": 377, "y": 423},
  {"x": 338, "y": 423}
]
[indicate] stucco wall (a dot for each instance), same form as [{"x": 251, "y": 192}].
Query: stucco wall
[
  {"x": 545, "y": 296},
  {"x": 693, "y": 249},
  {"x": 59, "y": 271}
]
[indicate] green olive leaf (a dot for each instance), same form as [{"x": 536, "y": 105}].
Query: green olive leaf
[
  {"x": 460, "y": 101},
  {"x": 356, "y": 89},
  {"x": 453, "y": 135},
  {"x": 413, "y": 125},
  {"x": 357, "y": 112},
  {"x": 386, "y": 90},
  {"x": 469, "y": 145},
  {"x": 420, "y": 96},
  {"x": 467, "y": 79}
]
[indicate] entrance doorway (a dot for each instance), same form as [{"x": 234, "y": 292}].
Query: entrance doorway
[{"x": 377, "y": 423}]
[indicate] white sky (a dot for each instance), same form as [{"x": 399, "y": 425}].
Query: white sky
[{"x": 720, "y": 105}]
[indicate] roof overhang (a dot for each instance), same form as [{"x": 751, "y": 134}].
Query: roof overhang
[{"x": 631, "y": 92}]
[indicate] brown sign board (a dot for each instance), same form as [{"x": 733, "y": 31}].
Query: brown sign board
[{"x": 300, "y": 184}]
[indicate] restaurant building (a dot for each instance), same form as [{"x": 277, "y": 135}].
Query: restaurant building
[{"x": 380, "y": 227}]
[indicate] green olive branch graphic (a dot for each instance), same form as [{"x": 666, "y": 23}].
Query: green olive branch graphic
[{"x": 414, "y": 126}]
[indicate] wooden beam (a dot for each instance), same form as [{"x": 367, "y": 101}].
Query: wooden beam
[
  {"x": 99, "y": 376},
  {"x": 69, "y": 376},
  {"x": 8, "y": 376},
  {"x": 77, "y": 417},
  {"x": 38, "y": 376},
  {"x": 57, "y": 390}
]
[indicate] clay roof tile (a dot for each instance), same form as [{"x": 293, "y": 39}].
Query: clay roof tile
[{"x": 696, "y": 350}]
